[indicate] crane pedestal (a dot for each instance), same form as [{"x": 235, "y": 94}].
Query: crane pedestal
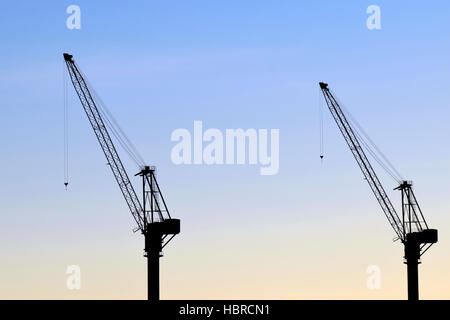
[
  {"x": 153, "y": 247},
  {"x": 154, "y": 236},
  {"x": 412, "y": 260},
  {"x": 413, "y": 244}
]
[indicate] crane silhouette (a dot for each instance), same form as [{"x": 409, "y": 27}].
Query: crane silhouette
[
  {"x": 151, "y": 214},
  {"x": 412, "y": 229}
]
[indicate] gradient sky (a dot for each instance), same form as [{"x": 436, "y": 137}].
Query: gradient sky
[{"x": 309, "y": 232}]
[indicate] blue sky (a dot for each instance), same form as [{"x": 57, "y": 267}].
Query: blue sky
[{"x": 159, "y": 66}]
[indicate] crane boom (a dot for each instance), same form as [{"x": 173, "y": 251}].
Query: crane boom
[
  {"x": 105, "y": 141},
  {"x": 363, "y": 162}
]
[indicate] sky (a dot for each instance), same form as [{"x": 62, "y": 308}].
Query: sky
[{"x": 308, "y": 232}]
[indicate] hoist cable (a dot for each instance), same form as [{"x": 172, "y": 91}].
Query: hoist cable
[
  {"x": 66, "y": 129},
  {"x": 320, "y": 105}
]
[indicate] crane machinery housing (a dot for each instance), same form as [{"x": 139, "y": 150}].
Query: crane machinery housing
[
  {"x": 151, "y": 214},
  {"x": 411, "y": 229}
]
